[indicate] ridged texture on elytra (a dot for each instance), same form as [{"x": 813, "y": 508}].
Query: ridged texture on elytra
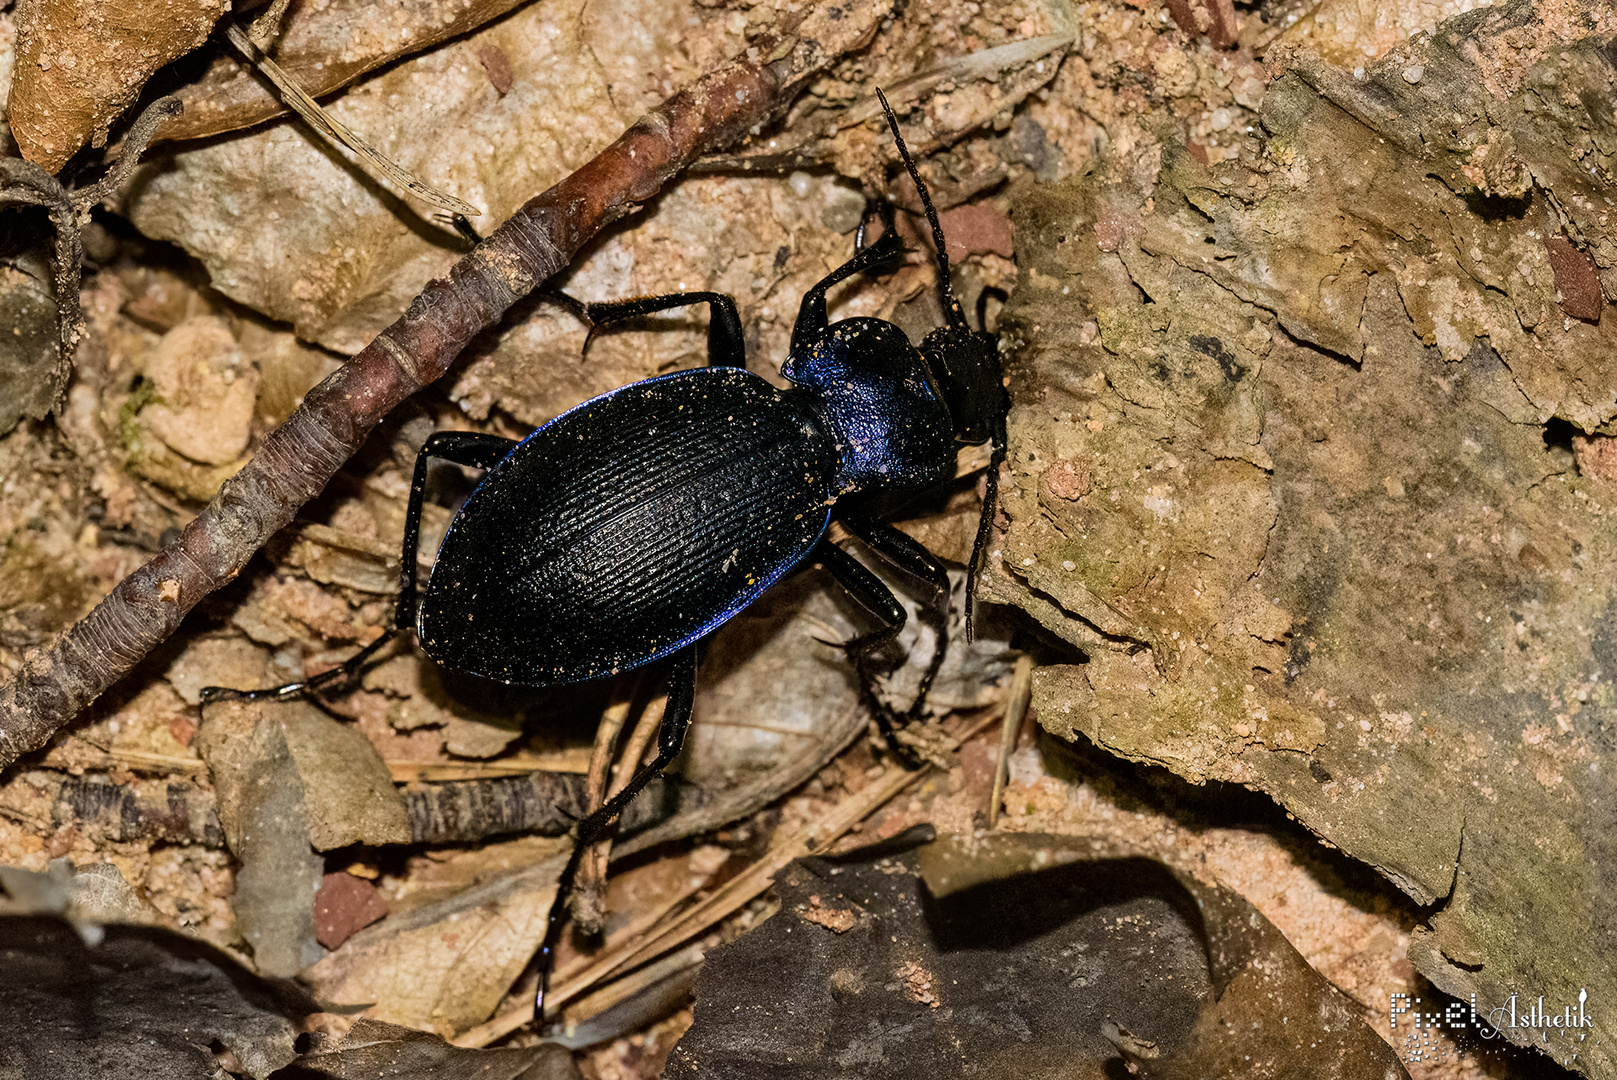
[{"x": 628, "y": 527}]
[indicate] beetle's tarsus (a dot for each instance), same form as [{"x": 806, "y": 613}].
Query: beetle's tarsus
[{"x": 344, "y": 672}]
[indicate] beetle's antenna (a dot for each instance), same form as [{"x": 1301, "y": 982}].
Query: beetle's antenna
[{"x": 951, "y": 306}]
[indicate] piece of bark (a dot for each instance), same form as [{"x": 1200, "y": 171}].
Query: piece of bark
[
  {"x": 1016, "y": 956},
  {"x": 1375, "y": 590},
  {"x": 459, "y": 812},
  {"x": 1575, "y": 279},
  {"x": 143, "y": 1002}
]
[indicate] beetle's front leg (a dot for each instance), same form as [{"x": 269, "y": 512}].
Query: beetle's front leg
[{"x": 726, "y": 346}]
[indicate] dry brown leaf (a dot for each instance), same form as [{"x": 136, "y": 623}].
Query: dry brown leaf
[
  {"x": 445, "y": 965},
  {"x": 325, "y": 47},
  {"x": 81, "y": 63}
]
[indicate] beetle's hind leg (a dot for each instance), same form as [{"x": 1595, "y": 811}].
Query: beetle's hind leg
[
  {"x": 468, "y": 448},
  {"x": 670, "y": 738}
]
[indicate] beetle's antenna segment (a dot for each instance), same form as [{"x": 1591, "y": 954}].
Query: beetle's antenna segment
[
  {"x": 969, "y": 363},
  {"x": 951, "y": 306}
]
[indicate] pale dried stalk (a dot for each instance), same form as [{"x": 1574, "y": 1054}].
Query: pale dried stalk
[
  {"x": 1016, "y": 702},
  {"x": 332, "y": 128},
  {"x": 814, "y": 838},
  {"x": 593, "y": 871},
  {"x": 570, "y": 760},
  {"x": 589, "y": 883}
]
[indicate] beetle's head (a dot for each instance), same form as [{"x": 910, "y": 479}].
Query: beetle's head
[{"x": 966, "y": 365}]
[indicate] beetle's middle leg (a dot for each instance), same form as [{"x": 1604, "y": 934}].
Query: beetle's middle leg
[
  {"x": 913, "y": 558},
  {"x": 876, "y": 598},
  {"x": 670, "y": 738},
  {"x": 469, "y": 448}
]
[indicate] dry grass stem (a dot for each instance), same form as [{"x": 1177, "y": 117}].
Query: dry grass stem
[{"x": 1016, "y": 702}]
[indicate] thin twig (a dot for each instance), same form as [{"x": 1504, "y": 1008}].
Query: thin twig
[
  {"x": 24, "y": 182},
  {"x": 462, "y": 812},
  {"x": 295, "y": 462},
  {"x": 134, "y": 147},
  {"x": 267, "y": 26}
]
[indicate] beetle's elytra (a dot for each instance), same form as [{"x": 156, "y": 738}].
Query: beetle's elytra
[{"x": 632, "y": 526}]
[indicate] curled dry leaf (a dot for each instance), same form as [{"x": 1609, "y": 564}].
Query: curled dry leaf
[
  {"x": 325, "y": 47},
  {"x": 330, "y": 252},
  {"x": 81, "y": 63},
  {"x": 373, "y": 1048}
]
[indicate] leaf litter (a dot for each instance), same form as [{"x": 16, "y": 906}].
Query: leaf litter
[{"x": 324, "y": 588}]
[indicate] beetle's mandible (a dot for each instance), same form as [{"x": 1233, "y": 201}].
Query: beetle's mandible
[{"x": 632, "y": 526}]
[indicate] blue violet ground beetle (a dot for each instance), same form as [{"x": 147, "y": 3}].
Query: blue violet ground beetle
[{"x": 632, "y": 526}]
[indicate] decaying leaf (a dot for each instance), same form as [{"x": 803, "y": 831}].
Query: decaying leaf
[
  {"x": 1016, "y": 956},
  {"x": 461, "y": 952},
  {"x": 142, "y": 1002},
  {"x": 334, "y": 255},
  {"x": 324, "y": 47},
  {"x": 81, "y": 63}
]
